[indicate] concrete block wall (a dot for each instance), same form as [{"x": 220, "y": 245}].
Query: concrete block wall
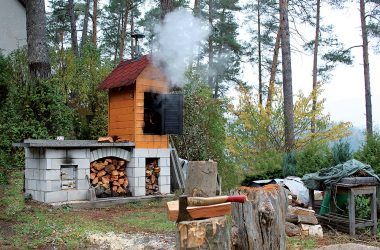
[
  {"x": 136, "y": 168},
  {"x": 43, "y": 173}
]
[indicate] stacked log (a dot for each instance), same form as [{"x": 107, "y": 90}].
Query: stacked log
[
  {"x": 109, "y": 177},
  {"x": 152, "y": 172}
]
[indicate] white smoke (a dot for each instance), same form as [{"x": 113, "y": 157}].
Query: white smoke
[{"x": 177, "y": 40}]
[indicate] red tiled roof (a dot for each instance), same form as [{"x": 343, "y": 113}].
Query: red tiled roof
[{"x": 125, "y": 73}]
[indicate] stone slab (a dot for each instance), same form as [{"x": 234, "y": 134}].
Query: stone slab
[{"x": 33, "y": 143}]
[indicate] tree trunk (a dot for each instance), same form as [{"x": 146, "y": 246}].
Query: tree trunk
[
  {"x": 38, "y": 57},
  {"x": 287, "y": 76},
  {"x": 273, "y": 70},
  {"x": 166, "y": 7},
  {"x": 315, "y": 65},
  {"x": 259, "y": 51},
  {"x": 201, "y": 179},
  {"x": 85, "y": 25},
  {"x": 73, "y": 28},
  {"x": 367, "y": 84},
  {"x": 94, "y": 22},
  {"x": 132, "y": 32},
  {"x": 210, "y": 78},
  {"x": 124, "y": 31},
  {"x": 210, "y": 233},
  {"x": 259, "y": 223},
  {"x": 197, "y": 8}
]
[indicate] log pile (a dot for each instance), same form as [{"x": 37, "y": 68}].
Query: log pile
[
  {"x": 152, "y": 172},
  {"x": 109, "y": 177}
]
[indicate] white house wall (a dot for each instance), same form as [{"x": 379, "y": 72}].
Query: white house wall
[{"x": 12, "y": 25}]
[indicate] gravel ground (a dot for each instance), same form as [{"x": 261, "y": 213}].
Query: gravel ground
[
  {"x": 348, "y": 246},
  {"x": 135, "y": 241}
]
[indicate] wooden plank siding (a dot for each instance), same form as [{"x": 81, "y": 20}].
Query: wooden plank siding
[
  {"x": 121, "y": 116},
  {"x": 126, "y": 109},
  {"x": 150, "y": 80}
]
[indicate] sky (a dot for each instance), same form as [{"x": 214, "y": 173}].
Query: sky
[{"x": 344, "y": 92}]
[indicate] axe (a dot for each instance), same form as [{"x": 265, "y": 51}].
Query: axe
[{"x": 184, "y": 202}]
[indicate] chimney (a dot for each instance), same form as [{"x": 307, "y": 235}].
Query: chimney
[{"x": 136, "y": 51}]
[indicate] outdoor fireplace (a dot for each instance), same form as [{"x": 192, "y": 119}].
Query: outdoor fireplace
[{"x": 142, "y": 115}]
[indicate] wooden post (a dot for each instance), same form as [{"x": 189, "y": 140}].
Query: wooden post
[
  {"x": 212, "y": 233},
  {"x": 201, "y": 179},
  {"x": 259, "y": 223}
]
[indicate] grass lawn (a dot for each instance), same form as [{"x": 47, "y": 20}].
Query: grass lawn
[
  {"x": 25, "y": 225},
  {"x": 33, "y": 225}
]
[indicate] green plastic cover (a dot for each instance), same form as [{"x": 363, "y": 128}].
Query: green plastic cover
[{"x": 328, "y": 176}]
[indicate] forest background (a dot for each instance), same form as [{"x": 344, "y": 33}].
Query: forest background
[{"x": 247, "y": 136}]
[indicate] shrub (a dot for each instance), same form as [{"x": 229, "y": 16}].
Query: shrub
[
  {"x": 312, "y": 158},
  {"x": 341, "y": 152},
  {"x": 369, "y": 153},
  {"x": 289, "y": 166}
]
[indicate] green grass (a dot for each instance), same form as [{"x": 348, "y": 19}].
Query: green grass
[
  {"x": 301, "y": 243},
  {"x": 32, "y": 225},
  {"x": 12, "y": 197}
]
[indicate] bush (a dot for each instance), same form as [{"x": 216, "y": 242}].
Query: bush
[
  {"x": 369, "y": 153},
  {"x": 341, "y": 153},
  {"x": 313, "y": 158},
  {"x": 290, "y": 164}
]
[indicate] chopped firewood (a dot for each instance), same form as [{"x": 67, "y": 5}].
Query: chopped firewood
[
  {"x": 125, "y": 182},
  {"x": 111, "y": 179},
  {"x": 92, "y": 176},
  {"x": 109, "y": 168},
  {"x": 106, "y": 179},
  {"x": 148, "y": 173},
  {"x": 95, "y": 180},
  {"x": 198, "y": 211},
  {"x": 105, "y": 139},
  {"x": 102, "y": 173},
  {"x": 153, "y": 178},
  {"x": 157, "y": 170},
  {"x": 99, "y": 166}
]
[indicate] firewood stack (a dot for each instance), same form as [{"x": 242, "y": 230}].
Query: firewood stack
[
  {"x": 152, "y": 172},
  {"x": 109, "y": 178}
]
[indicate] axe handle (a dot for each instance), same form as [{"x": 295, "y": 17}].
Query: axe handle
[{"x": 200, "y": 201}]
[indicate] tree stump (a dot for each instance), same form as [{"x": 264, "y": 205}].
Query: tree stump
[
  {"x": 212, "y": 233},
  {"x": 201, "y": 179},
  {"x": 259, "y": 223}
]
